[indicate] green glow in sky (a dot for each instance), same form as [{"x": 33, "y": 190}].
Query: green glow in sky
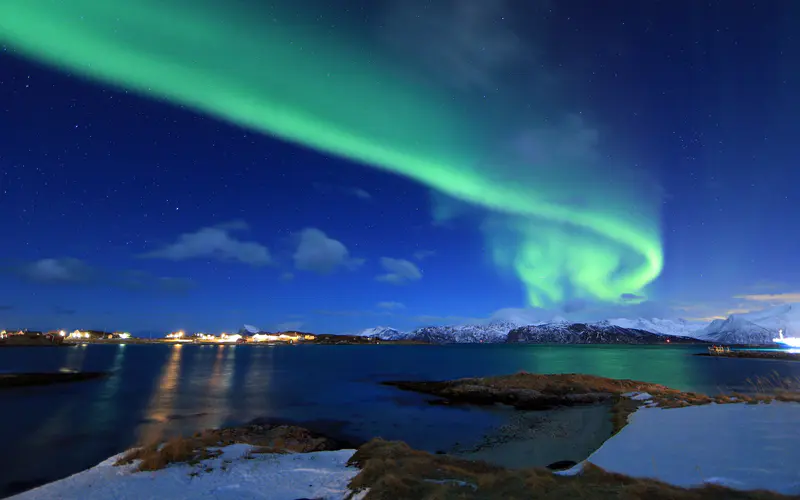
[{"x": 566, "y": 224}]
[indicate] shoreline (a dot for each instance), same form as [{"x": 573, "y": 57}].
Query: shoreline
[
  {"x": 306, "y": 463},
  {"x": 211, "y": 343},
  {"x": 773, "y": 355}
]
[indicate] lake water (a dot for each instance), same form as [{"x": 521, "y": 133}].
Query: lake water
[{"x": 159, "y": 390}]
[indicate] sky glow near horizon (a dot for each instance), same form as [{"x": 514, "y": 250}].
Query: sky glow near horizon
[{"x": 556, "y": 213}]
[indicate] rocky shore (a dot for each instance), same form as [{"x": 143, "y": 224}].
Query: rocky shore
[
  {"x": 527, "y": 391},
  {"x": 780, "y": 355}
]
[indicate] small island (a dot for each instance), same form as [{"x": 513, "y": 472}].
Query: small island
[
  {"x": 750, "y": 353},
  {"x": 8, "y": 380}
]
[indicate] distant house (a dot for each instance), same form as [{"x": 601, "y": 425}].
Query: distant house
[
  {"x": 29, "y": 338},
  {"x": 91, "y": 335}
]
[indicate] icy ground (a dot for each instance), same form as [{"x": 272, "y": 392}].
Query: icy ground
[
  {"x": 741, "y": 446},
  {"x": 322, "y": 474}
]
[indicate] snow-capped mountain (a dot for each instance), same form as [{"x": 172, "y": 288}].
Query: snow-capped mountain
[
  {"x": 676, "y": 327},
  {"x": 383, "y": 333},
  {"x": 757, "y": 327},
  {"x": 737, "y": 330},
  {"x": 495, "y": 332},
  {"x": 603, "y": 332},
  {"x": 557, "y": 330},
  {"x": 251, "y": 329},
  {"x": 785, "y": 317}
]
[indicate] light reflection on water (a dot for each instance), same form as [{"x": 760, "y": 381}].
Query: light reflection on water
[
  {"x": 163, "y": 399},
  {"x": 157, "y": 391}
]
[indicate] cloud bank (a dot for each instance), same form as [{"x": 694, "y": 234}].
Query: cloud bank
[
  {"x": 215, "y": 242},
  {"x": 398, "y": 271},
  {"x": 318, "y": 253}
]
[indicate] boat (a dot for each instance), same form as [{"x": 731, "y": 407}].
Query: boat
[{"x": 793, "y": 342}]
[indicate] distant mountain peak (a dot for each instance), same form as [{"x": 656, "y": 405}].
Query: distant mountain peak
[
  {"x": 383, "y": 333},
  {"x": 740, "y": 329}
]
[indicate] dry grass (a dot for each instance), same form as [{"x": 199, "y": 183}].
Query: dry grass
[
  {"x": 776, "y": 387},
  {"x": 205, "y": 445},
  {"x": 569, "y": 383},
  {"x": 394, "y": 471},
  {"x": 530, "y": 391}
]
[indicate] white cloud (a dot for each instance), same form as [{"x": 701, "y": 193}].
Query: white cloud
[
  {"x": 318, "y": 253},
  {"x": 62, "y": 270},
  {"x": 423, "y": 254},
  {"x": 360, "y": 193},
  {"x": 67, "y": 270},
  {"x": 215, "y": 242},
  {"x": 773, "y": 298},
  {"x": 390, "y": 305},
  {"x": 399, "y": 271}
]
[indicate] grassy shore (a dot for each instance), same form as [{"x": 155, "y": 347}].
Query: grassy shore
[
  {"x": 528, "y": 391},
  {"x": 391, "y": 470},
  {"x": 203, "y": 445}
]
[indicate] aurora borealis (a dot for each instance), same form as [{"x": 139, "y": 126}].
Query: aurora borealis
[
  {"x": 399, "y": 162},
  {"x": 578, "y": 227}
]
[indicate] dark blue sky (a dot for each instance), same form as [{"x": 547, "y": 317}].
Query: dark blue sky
[{"x": 123, "y": 212}]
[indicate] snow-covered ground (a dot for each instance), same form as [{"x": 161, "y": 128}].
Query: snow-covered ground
[
  {"x": 741, "y": 446},
  {"x": 322, "y": 474}
]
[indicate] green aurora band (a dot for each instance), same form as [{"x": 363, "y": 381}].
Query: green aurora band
[{"x": 567, "y": 228}]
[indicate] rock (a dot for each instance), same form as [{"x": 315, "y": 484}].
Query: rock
[
  {"x": 588, "y": 398},
  {"x": 562, "y": 465}
]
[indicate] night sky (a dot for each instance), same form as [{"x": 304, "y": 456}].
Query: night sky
[{"x": 508, "y": 160}]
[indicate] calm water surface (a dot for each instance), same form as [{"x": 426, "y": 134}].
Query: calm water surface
[{"x": 159, "y": 390}]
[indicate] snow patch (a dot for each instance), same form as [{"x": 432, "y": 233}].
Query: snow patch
[
  {"x": 742, "y": 446},
  {"x": 638, "y": 396},
  {"x": 236, "y": 474}
]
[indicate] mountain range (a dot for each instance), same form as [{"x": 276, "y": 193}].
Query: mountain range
[{"x": 751, "y": 328}]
